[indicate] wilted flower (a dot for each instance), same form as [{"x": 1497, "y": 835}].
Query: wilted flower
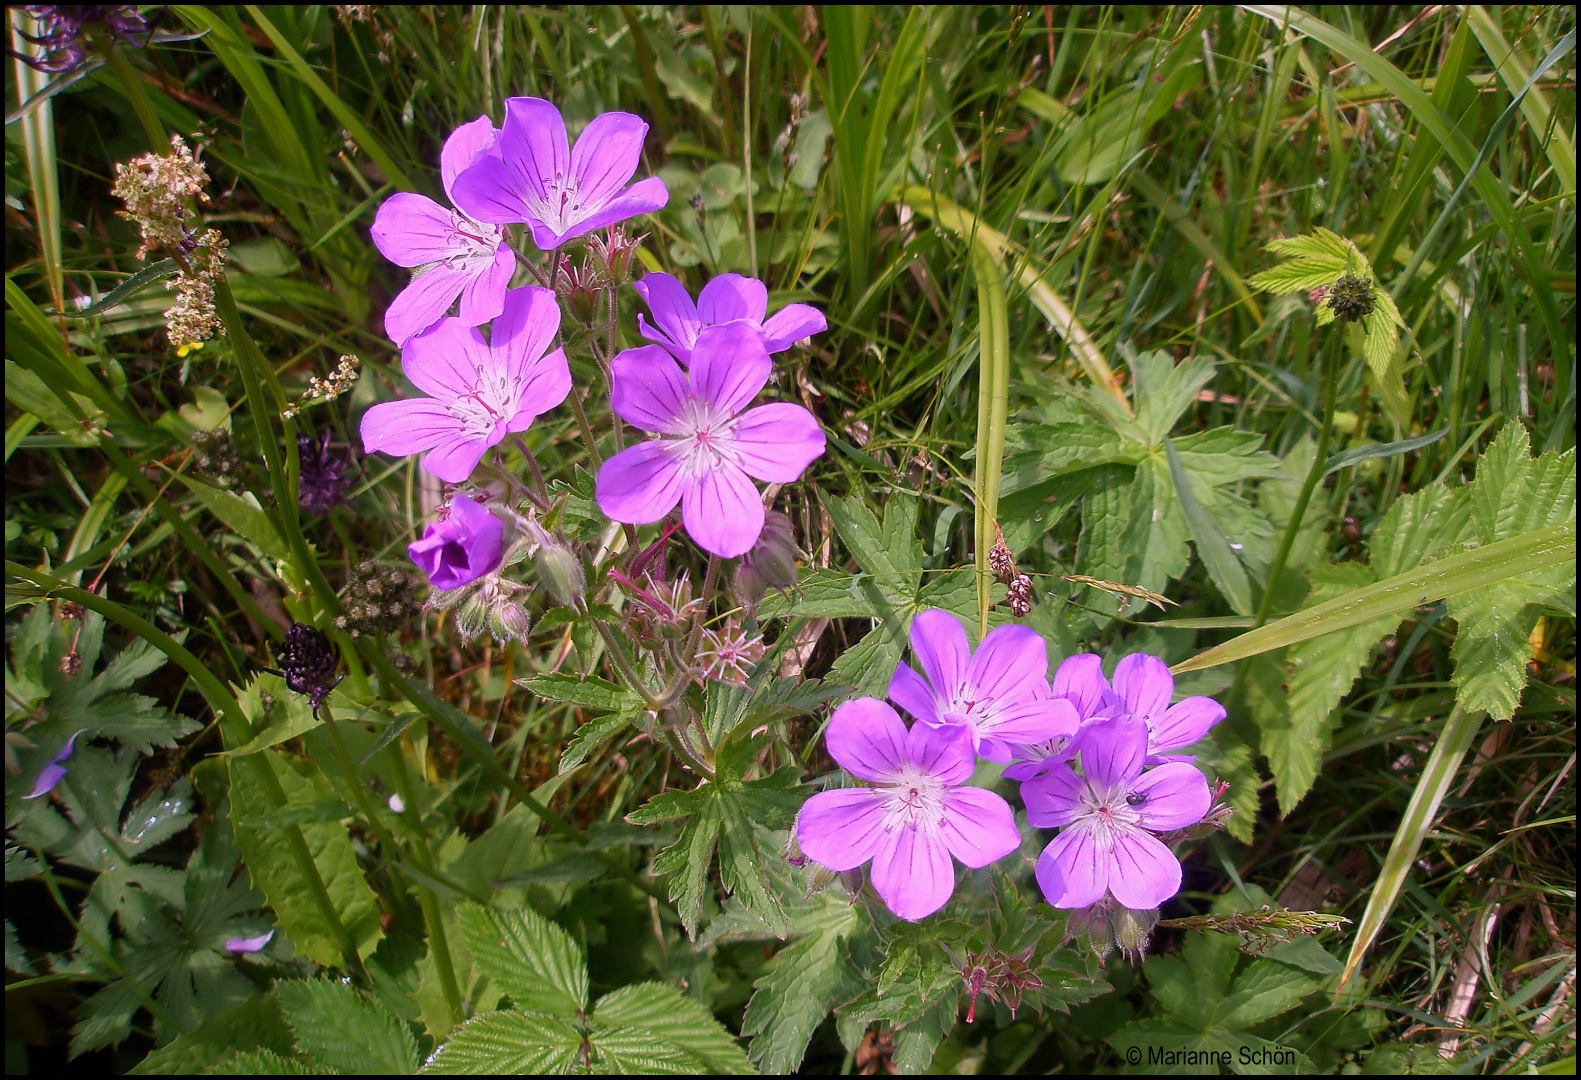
[
  {"x": 1106, "y": 925},
  {"x": 378, "y": 599},
  {"x": 726, "y": 298},
  {"x": 308, "y": 661},
  {"x": 1351, "y": 298},
  {"x": 463, "y": 257},
  {"x": 999, "y": 695},
  {"x": 60, "y": 33},
  {"x": 729, "y": 654},
  {"x": 343, "y": 378},
  {"x": 1000, "y": 977},
  {"x": 660, "y": 609},
  {"x": 1109, "y": 814},
  {"x": 248, "y": 944},
  {"x": 55, "y": 771},
  {"x": 462, "y": 547},
  {"x": 708, "y": 455},
  {"x": 536, "y": 178},
  {"x": 155, "y": 189},
  {"x": 915, "y": 816},
  {"x": 479, "y": 391},
  {"x": 613, "y": 252},
  {"x": 215, "y": 456},
  {"x": 771, "y": 564},
  {"x": 321, "y": 479}
]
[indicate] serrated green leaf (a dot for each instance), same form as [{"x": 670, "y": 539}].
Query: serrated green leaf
[
  {"x": 688, "y": 860},
  {"x": 791, "y": 1000},
  {"x": 677, "y": 1019},
  {"x": 289, "y": 714},
  {"x": 1223, "y": 567},
  {"x": 535, "y": 962},
  {"x": 509, "y": 1043},
  {"x": 338, "y": 1027},
  {"x": 266, "y": 1063},
  {"x": 257, "y": 1024},
  {"x": 243, "y": 515},
  {"x": 740, "y": 865},
  {"x": 636, "y": 1051},
  {"x": 590, "y": 692},
  {"x": 587, "y": 738},
  {"x": 1165, "y": 390},
  {"x": 1105, "y": 517},
  {"x": 274, "y": 870},
  {"x": 1263, "y": 991}
]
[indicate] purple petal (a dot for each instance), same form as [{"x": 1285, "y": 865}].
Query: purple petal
[
  {"x": 423, "y": 303},
  {"x": 1009, "y": 664},
  {"x": 546, "y": 385},
  {"x": 462, "y": 548},
  {"x": 453, "y": 461},
  {"x": 908, "y": 690},
  {"x": 445, "y": 362},
  {"x": 729, "y": 366},
  {"x": 640, "y": 484},
  {"x": 533, "y": 144},
  {"x": 1032, "y": 721},
  {"x": 1080, "y": 678},
  {"x": 606, "y": 154},
  {"x": 412, "y": 229},
  {"x": 643, "y": 197},
  {"x": 466, "y": 144},
  {"x": 791, "y": 324},
  {"x": 489, "y": 190},
  {"x": 939, "y": 641},
  {"x": 1143, "y": 873},
  {"x": 1072, "y": 871},
  {"x": 248, "y": 944},
  {"x": 65, "y": 752},
  {"x": 1144, "y": 685},
  {"x": 526, "y": 327},
  {"x": 1177, "y": 796},
  {"x": 484, "y": 296},
  {"x": 912, "y": 873},
  {"x": 978, "y": 827},
  {"x": 867, "y": 739},
  {"x": 1112, "y": 752},
  {"x": 729, "y": 297},
  {"x": 673, "y": 311},
  {"x": 841, "y": 829},
  {"x": 1054, "y": 798},
  {"x": 1184, "y": 723},
  {"x": 49, "y": 776},
  {"x": 776, "y": 442},
  {"x": 648, "y": 389},
  {"x": 944, "y": 751},
  {"x": 723, "y": 511},
  {"x": 407, "y": 427}
]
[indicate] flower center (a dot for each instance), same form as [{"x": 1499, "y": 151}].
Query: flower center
[
  {"x": 969, "y": 706},
  {"x": 479, "y": 242},
  {"x": 913, "y": 800},
  {"x": 492, "y": 400},
  {"x": 1108, "y": 813},
  {"x": 560, "y": 207},
  {"x": 707, "y": 438}
]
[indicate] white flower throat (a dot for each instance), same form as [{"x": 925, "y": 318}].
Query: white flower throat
[
  {"x": 1107, "y": 811},
  {"x": 560, "y": 207},
  {"x": 477, "y": 243},
  {"x": 707, "y": 439},
  {"x": 493, "y": 398},
  {"x": 913, "y": 799}
]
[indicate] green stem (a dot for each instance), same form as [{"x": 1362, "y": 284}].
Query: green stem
[
  {"x": 617, "y": 654},
  {"x": 587, "y": 430},
  {"x": 158, "y": 140}
]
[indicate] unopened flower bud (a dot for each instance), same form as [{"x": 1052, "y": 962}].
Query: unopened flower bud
[
  {"x": 560, "y": 571},
  {"x": 508, "y": 621},
  {"x": 1132, "y": 930},
  {"x": 771, "y": 564},
  {"x": 819, "y": 879},
  {"x": 472, "y": 617},
  {"x": 852, "y": 882},
  {"x": 792, "y": 852},
  {"x": 748, "y": 584}
]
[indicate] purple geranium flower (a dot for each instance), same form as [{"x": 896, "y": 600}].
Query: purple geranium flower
[
  {"x": 1109, "y": 814},
  {"x": 461, "y": 548},
  {"x": 915, "y": 816},
  {"x": 1078, "y": 680},
  {"x": 478, "y": 392},
  {"x": 1000, "y": 694},
  {"x": 466, "y": 258},
  {"x": 708, "y": 455},
  {"x": 726, "y": 298},
  {"x": 1142, "y": 688},
  {"x": 53, "y": 773},
  {"x": 560, "y": 193}
]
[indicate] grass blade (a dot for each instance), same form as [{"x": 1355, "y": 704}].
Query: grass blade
[
  {"x": 1513, "y": 72},
  {"x": 993, "y": 402},
  {"x": 1475, "y": 569},
  {"x": 1453, "y": 742},
  {"x": 1381, "y": 450},
  {"x": 38, "y": 145}
]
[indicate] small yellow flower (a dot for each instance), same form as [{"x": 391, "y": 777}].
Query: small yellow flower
[{"x": 183, "y": 350}]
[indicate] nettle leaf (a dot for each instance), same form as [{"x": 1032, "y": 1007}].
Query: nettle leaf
[
  {"x": 509, "y": 1043},
  {"x": 255, "y": 1025},
  {"x": 665, "y": 1014},
  {"x": 636, "y": 1052},
  {"x": 340, "y": 1028},
  {"x": 1513, "y": 493},
  {"x": 266, "y": 1063},
  {"x": 534, "y": 961},
  {"x": 729, "y": 815}
]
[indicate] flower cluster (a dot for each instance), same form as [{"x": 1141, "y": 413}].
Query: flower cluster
[
  {"x": 61, "y": 34},
  {"x": 998, "y": 703},
  {"x": 156, "y": 189},
  {"x": 192, "y": 318},
  {"x": 693, "y": 390}
]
